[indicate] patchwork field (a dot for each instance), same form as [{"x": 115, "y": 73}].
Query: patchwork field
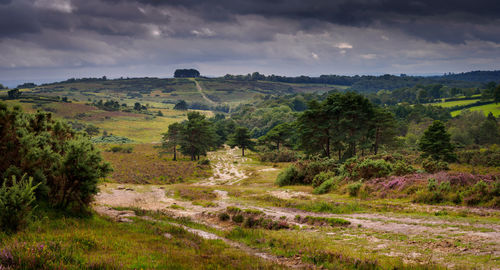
[{"x": 486, "y": 109}]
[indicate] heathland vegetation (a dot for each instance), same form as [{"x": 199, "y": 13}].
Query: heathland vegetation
[{"x": 251, "y": 171}]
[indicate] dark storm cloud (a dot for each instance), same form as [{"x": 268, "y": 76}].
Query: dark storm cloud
[
  {"x": 444, "y": 20},
  {"x": 347, "y": 36}
]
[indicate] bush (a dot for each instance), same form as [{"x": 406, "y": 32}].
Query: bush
[
  {"x": 121, "y": 149},
  {"x": 431, "y": 166},
  {"x": 111, "y": 139},
  {"x": 64, "y": 164},
  {"x": 370, "y": 168},
  {"x": 16, "y": 202},
  {"x": 322, "y": 177},
  {"x": 275, "y": 156},
  {"x": 489, "y": 157},
  {"x": 289, "y": 176},
  {"x": 354, "y": 188},
  {"x": 402, "y": 168},
  {"x": 204, "y": 162},
  {"x": 327, "y": 185},
  {"x": 365, "y": 169},
  {"x": 238, "y": 218},
  {"x": 223, "y": 216}
]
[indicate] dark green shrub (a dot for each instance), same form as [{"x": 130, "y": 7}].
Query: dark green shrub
[
  {"x": 223, "y": 216},
  {"x": 489, "y": 157},
  {"x": 238, "y": 218},
  {"x": 370, "y": 168},
  {"x": 63, "y": 163},
  {"x": 16, "y": 203},
  {"x": 431, "y": 166},
  {"x": 327, "y": 185},
  {"x": 121, "y": 149},
  {"x": 402, "y": 168},
  {"x": 354, "y": 188},
  {"x": 289, "y": 176},
  {"x": 204, "y": 162},
  {"x": 365, "y": 169},
  {"x": 322, "y": 177},
  {"x": 431, "y": 184}
]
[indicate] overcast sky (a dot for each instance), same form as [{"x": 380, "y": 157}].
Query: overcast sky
[{"x": 46, "y": 40}]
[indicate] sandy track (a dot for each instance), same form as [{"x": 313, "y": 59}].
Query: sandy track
[{"x": 228, "y": 171}]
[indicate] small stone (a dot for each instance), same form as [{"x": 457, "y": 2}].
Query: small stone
[{"x": 167, "y": 235}]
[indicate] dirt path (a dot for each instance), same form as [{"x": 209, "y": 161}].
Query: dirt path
[
  {"x": 200, "y": 90},
  {"x": 228, "y": 168},
  {"x": 225, "y": 167}
]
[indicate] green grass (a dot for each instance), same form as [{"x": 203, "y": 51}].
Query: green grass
[
  {"x": 486, "y": 109},
  {"x": 450, "y": 104},
  {"x": 97, "y": 243}
]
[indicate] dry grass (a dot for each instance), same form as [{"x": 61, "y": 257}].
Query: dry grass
[{"x": 145, "y": 166}]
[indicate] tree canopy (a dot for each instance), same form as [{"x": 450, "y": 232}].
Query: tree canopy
[
  {"x": 435, "y": 143},
  {"x": 186, "y": 73},
  {"x": 241, "y": 138}
]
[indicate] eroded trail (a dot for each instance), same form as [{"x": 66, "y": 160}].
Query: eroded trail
[
  {"x": 200, "y": 90},
  {"x": 225, "y": 166},
  {"x": 384, "y": 230}
]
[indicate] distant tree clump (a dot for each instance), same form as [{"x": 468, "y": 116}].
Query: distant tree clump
[
  {"x": 186, "y": 73},
  {"x": 26, "y": 85},
  {"x": 345, "y": 124},
  {"x": 181, "y": 106},
  {"x": 14, "y": 93},
  {"x": 435, "y": 143}
]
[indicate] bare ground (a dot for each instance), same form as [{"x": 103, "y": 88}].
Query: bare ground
[{"x": 478, "y": 238}]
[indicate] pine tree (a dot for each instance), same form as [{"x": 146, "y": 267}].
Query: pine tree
[
  {"x": 241, "y": 138},
  {"x": 172, "y": 138},
  {"x": 436, "y": 143}
]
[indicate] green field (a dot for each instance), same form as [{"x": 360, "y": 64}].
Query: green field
[
  {"x": 486, "y": 109},
  {"x": 450, "y": 104}
]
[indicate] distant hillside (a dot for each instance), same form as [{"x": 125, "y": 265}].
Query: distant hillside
[
  {"x": 367, "y": 83},
  {"x": 474, "y": 76}
]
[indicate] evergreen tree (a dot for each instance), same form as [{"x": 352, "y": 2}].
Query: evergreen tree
[
  {"x": 198, "y": 136},
  {"x": 241, "y": 138},
  {"x": 384, "y": 126},
  {"x": 172, "y": 138},
  {"x": 436, "y": 143},
  {"x": 488, "y": 131},
  {"x": 63, "y": 163},
  {"x": 181, "y": 106},
  {"x": 277, "y": 135}
]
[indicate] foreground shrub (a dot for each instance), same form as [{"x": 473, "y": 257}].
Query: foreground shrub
[
  {"x": 402, "y": 168},
  {"x": 322, "y": 177},
  {"x": 289, "y": 176},
  {"x": 354, "y": 188},
  {"x": 431, "y": 165},
  {"x": 16, "y": 203},
  {"x": 64, "y": 164},
  {"x": 365, "y": 169},
  {"x": 370, "y": 168},
  {"x": 327, "y": 185}
]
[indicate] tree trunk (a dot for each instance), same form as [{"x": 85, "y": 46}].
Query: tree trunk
[
  {"x": 278, "y": 145},
  {"x": 175, "y": 153},
  {"x": 377, "y": 137},
  {"x": 243, "y": 151}
]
